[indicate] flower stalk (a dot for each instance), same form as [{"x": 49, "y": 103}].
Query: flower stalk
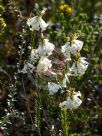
[{"x": 64, "y": 121}]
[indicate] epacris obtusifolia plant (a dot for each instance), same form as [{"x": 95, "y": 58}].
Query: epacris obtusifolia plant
[{"x": 53, "y": 73}]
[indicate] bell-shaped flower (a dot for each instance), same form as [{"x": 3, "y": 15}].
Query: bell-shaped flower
[
  {"x": 53, "y": 88},
  {"x": 37, "y": 23},
  {"x": 46, "y": 48},
  {"x": 44, "y": 65},
  {"x": 71, "y": 48},
  {"x": 72, "y": 102},
  {"x": 66, "y": 51},
  {"x": 34, "y": 55},
  {"x": 79, "y": 67},
  {"x": 76, "y": 46}
]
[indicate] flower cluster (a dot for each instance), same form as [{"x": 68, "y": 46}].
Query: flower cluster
[
  {"x": 2, "y": 21},
  {"x": 2, "y": 25},
  {"x": 66, "y": 8},
  {"x": 43, "y": 62}
]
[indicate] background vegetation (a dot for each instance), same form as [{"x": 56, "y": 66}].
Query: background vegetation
[{"x": 19, "y": 111}]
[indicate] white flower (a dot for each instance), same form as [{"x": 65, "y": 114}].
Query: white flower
[
  {"x": 79, "y": 67},
  {"x": 34, "y": 55},
  {"x": 76, "y": 46},
  {"x": 46, "y": 48},
  {"x": 43, "y": 50},
  {"x": 27, "y": 67},
  {"x": 44, "y": 65},
  {"x": 53, "y": 88},
  {"x": 65, "y": 81},
  {"x": 66, "y": 51},
  {"x": 37, "y": 23},
  {"x": 72, "y": 103},
  {"x": 73, "y": 48}
]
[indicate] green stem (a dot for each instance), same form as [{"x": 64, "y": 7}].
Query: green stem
[{"x": 64, "y": 121}]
